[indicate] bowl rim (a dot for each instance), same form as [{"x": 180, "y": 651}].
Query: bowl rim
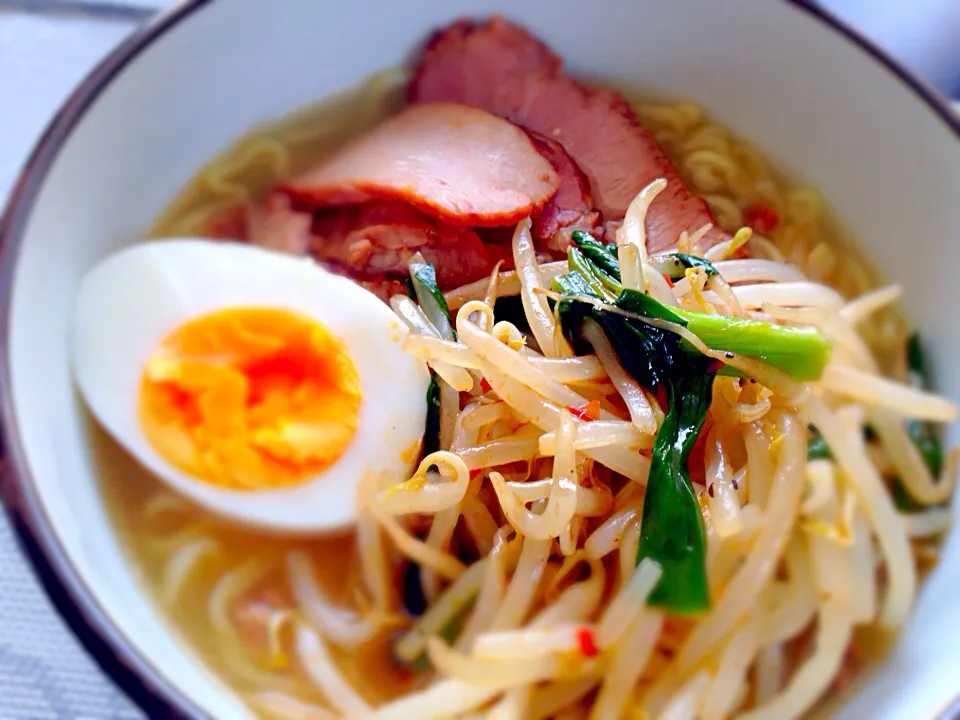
[
  {"x": 134, "y": 673},
  {"x": 131, "y": 671}
]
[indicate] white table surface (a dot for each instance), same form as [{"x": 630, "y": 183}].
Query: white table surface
[{"x": 44, "y": 673}]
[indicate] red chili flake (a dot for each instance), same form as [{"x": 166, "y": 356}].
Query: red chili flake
[
  {"x": 475, "y": 473},
  {"x": 484, "y": 385},
  {"x": 715, "y": 366},
  {"x": 577, "y": 412},
  {"x": 762, "y": 218},
  {"x": 589, "y": 411},
  {"x": 710, "y": 490},
  {"x": 587, "y": 642},
  {"x": 669, "y": 281}
]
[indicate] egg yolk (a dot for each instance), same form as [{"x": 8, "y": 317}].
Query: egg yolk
[{"x": 250, "y": 398}]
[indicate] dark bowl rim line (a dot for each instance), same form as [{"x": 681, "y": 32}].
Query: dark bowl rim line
[{"x": 135, "y": 674}]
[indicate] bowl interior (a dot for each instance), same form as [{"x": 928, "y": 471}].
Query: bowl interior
[{"x": 886, "y": 161}]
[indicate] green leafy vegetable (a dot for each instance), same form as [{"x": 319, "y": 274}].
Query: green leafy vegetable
[
  {"x": 903, "y": 500},
  {"x": 422, "y": 286},
  {"x": 449, "y": 631},
  {"x": 510, "y": 308},
  {"x": 802, "y": 352},
  {"x": 431, "y": 428},
  {"x": 930, "y": 446},
  {"x": 583, "y": 280},
  {"x": 606, "y": 258},
  {"x": 424, "y": 279},
  {"x": 925, "y": 435},
  {"x": 671, "y": 529},
  {"x": 817, "y": 448},
  {"x": 675, "y": 265},
  {"x": 603, "y": 257},
  {"x": 594, "y": 280},
  {"x": 917, "y": 362}
]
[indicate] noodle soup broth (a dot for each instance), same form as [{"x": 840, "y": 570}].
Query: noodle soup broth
[{"x": 228, "y": 590}]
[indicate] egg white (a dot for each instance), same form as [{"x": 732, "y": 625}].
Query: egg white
[{"x": 131, "y": 300}]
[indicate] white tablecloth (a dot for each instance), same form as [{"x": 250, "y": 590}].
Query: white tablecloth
[{"x": 44, "y": 672}]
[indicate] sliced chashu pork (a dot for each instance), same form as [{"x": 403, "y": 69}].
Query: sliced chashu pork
[
  {"x": 571, "y": 207},
  {"x": 503, "y": 69},
  {"x": 377, "y": 239},
  {"x": 459, "y": 164},
  {"x": 371, "y": 242}
]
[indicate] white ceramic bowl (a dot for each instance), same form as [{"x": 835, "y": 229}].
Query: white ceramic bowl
[{"x": 883, "y": 148}]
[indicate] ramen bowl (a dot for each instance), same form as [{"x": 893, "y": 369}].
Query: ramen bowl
[{"x": 882, "y": 147}]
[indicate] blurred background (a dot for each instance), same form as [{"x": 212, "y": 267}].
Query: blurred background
[
  {"x": 922, "y": 33},
  {"x": 46, "y": 47}
]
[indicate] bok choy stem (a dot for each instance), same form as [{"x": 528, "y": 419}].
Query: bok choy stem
[
  {"x": 802, "y": 352},
  {"x": 671, "y": 530}
]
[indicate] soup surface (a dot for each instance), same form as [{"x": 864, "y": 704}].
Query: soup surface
[{"x": 241, "y": 597}]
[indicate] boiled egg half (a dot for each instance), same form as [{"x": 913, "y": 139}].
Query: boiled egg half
[{"x": 258, "y": 384}]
